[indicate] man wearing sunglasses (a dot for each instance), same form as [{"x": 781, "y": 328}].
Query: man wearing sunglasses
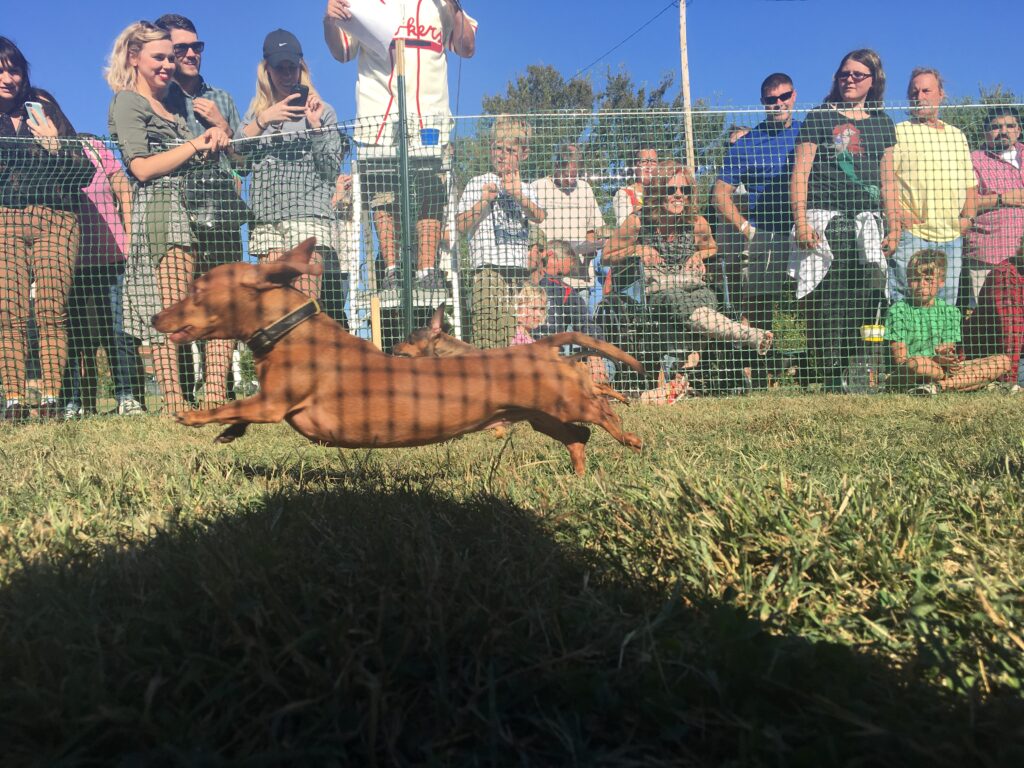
[
  {"x": 756, "y": 248},
  {"x": 207, "y": 106}
]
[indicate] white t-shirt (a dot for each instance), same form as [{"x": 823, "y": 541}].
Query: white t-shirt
[
  {"x": 569, "y": 216},
  {"x": 428, "y": 28},
  {"x": 503, "y": 236},
  {"x": 1010, "y": 156}
]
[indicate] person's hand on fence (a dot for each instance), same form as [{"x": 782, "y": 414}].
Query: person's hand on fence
[
  {"x": 490, "y": 192},
  {"x": 806, "y": 237},
  {"x": 512, "y": 183},
  {"x": 314, "y": 112},
  {"x": 45, "y": 135},
  {"x": 282, "y": 111},
  {"x": 209, "y": 112},
  {"x": 339, "y": 9},
  {"x": 211, "y": 140}
]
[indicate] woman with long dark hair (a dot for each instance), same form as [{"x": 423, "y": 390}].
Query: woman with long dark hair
[
  {"x": 38, "y": 235},
  {"x": 842, "y": 182}
]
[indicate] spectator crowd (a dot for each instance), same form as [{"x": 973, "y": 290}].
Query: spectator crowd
[{"x": 843, "y": 220}]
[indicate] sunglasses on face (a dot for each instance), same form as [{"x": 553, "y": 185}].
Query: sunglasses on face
[
  {"x": 180, "y": 49},
  {"x": 857, "y": 77},
  {"x": 774, "y": 99},
  {"x": 684, "y": 190}
]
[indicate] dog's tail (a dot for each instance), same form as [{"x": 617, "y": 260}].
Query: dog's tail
[{"x": 589, "y": 342}]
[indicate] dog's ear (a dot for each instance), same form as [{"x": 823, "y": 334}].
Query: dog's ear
[
  {"x": 437, "y": 321},
  {"x": 299, "y": 258},
  {"x": 293, "y": 264}
]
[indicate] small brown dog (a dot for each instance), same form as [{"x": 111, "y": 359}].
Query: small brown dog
[
  {"x": 339, "y": 390},
  {"x": 432, "y": 341}
]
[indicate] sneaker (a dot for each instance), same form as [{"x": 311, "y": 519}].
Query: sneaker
[
  {"x": 432, "y": 281},
  {"x": 16, "y": 413},
  {"x": 48, "y": 409},
  {"x": 129, "y": 407},
  {"x": 392, "y": 280},
  {"x": 73, "y": 411},
  {"x": 925, "y": 390}
]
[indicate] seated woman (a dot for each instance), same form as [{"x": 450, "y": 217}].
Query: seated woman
[
  {"x": 148, "y": 119},
  {"x": 659, "y": 255},
  {"x": 38, "y": 237},
  {"x": 296, "y": 165}
]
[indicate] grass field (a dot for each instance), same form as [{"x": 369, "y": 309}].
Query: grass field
[{"x": 777, "y": 580}]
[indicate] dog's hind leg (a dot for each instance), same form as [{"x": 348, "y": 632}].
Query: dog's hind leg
[{"x": 573, "y": 436}]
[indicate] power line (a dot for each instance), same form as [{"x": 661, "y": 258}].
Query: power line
[{"x": 673, "y": 4}]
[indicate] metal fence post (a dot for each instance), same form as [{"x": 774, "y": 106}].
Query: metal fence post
[{"x": 405, "y": 202}]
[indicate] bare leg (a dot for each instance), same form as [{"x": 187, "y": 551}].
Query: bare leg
[
  {"x": 428, "y": 235},
  {"x": 975, "y": 374},
  {"x": 385, "y": 223},
  {"x": 712, "y": 323},
  {"x": 174, "y": 272}
]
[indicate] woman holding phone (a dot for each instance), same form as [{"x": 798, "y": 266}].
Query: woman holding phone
[
  {"x": 148, "y": 119},
  {"x": 38, "y": 236},
  {"x": 296, "y": 162}
]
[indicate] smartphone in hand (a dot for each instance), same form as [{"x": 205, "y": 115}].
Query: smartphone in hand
[
  {"x": 303, "y": 91},
  {"x": 36, "y": 115}
]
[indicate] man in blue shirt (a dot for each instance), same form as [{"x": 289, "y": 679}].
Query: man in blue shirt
[{"x": 756, "y": 248}]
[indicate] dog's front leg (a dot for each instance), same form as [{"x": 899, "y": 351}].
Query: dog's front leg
[{"x": 258, "y": 409}]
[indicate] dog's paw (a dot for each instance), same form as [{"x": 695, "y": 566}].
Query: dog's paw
[
  {"x": 231, "y": 434},
  {"x": 189, "y": 419}
]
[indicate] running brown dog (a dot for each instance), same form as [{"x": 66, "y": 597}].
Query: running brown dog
[{"x": 339, "y": 390}]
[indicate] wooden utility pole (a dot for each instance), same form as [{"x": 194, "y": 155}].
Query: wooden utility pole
[{"x": 685, "y": 64}]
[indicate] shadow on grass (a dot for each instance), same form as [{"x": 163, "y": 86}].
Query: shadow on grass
[{"x": 393, "y": 627}]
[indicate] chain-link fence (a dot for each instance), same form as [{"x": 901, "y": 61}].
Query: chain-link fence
[{"x": 814, "y": 248}]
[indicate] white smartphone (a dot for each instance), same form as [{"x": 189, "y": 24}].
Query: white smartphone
[{"x": 35, "y": 113}]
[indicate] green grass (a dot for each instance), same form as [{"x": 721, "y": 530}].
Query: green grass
[{"x": 777, "y": 580}]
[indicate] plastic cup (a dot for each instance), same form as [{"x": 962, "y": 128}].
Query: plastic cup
[
  {"x": 874, "y": 333},
  {"x": 430, "y": 137}
]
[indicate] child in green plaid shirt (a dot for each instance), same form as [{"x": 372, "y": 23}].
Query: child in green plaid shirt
[{"x": 924, "y": 331}]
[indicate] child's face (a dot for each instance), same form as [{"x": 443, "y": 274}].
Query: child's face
[
  {"x": 558, "y": 262},
  {"x": 505, "y": 155},
  {"x": 924, "y": 287},
  {"x": 532, "y": 313}
]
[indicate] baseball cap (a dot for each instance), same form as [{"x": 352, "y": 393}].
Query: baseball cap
[{"x": 281, "y": 45}]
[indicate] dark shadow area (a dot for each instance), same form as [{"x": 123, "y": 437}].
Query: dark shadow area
[{"x": 354, "y": 627}]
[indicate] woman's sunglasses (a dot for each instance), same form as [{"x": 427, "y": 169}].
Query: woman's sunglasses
[{"x": 685, "y": 190}]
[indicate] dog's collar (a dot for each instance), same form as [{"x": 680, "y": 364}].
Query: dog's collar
[{"x": 264, "y": 339}]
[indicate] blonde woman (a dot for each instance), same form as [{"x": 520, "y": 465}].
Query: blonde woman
[
  {"x": 296, "y": 164},
  {"x": 148, "y": 121}
]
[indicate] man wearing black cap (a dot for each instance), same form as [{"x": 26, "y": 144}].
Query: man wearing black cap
[{"x": 429, "y": 28}]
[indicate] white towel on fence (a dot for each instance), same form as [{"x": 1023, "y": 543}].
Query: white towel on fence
[{"x": 810, "y": 267}]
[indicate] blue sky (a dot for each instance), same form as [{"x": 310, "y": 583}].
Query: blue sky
[{"x": 732, "y": 44}]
